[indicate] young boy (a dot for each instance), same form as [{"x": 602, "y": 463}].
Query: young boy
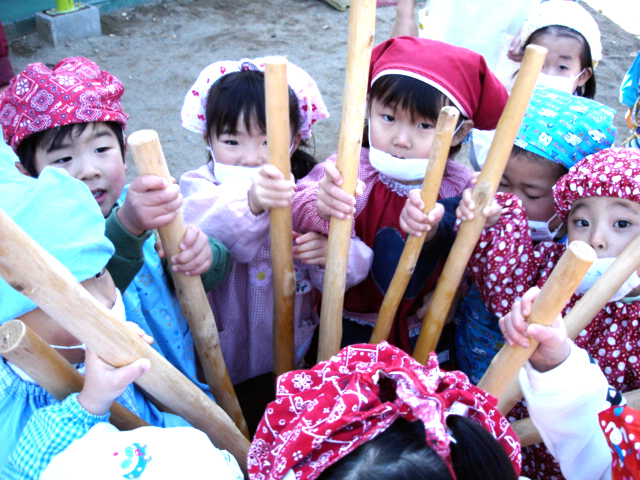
[{"x": 70, "y": 117}]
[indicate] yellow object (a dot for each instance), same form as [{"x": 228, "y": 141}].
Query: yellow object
[{"x": 63, "y": 6}]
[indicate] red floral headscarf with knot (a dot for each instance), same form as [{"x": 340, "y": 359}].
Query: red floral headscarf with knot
[
  {"x": 613, "y": 172},
  {"x": 75, "y": 91},
  {"x": 323, "y": 414}
]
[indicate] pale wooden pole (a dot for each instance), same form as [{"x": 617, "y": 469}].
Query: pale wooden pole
[
  {"x": 24, "y": 348},
  {"x": 362, "y": 18},
  {"x": 555, "y": 293},
  {"x": 284, "y": 277},
  {"x": 413, "y": 246},
  {"x": 483, "y": 193},
  {"x": 31, "y": 270},
  {"x": 149, "y": 160}
]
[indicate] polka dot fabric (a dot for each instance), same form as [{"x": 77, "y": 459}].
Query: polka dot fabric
[
  {"x": 613, "y": 172},
  {"x": 621, "y": 427},
  {"x": 323, "y": 414}
]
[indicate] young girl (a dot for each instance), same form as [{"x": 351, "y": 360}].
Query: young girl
[
  {"x": 70, "y": 117},
  {"x": 409, "y": 84},
  {"x": 41, "y": 208},
  {"x": 229, "y": 198},
  {"x": 599, "y": 201},
  {"x": 349, "y": 417},
  {"x": 558, "y": 129}
]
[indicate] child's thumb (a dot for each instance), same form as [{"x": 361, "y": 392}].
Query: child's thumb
[{"x": 130, "y": 373}]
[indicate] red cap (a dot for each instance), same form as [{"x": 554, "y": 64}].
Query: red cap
[{"x": 461, "y": 74}]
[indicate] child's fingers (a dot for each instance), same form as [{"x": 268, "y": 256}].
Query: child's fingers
[
  {"x": 526, "y": 302},
  {"x": 415, "y": 198},
  {"x": 331, "y": 171},
  {"x": 359, "y": 188},
  {"x": 513, "y": 327},
  {"x": 492, "y": 210},
  {"x": 191, "y": 235},
  {"x": 123, "y": 376},
  {"x": 140, "y": 332},
  {"x": 272, "y": 172},
  {"x": 144, "y": 183}
]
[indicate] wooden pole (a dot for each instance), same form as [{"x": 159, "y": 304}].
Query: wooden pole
[
  {"x": 34, "y": 272},
  {"x": 430, "y": 189},
  {"x": 483, "y": 193},
  {"x": 529, "y": 435},
  {"x": 24, "y": 348},
  {"x": 284, "y": 277},
  {"x": 586, "y": 308},
  {"x": 149, "y": 160},
  {"x": 362, "y": 18},
  {"x": 553, "y": 297}
]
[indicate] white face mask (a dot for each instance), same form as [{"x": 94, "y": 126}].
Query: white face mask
[
  {"x": 224, "y": 172},
  {"x": 540, "y": 231},
  {"x": 401, "y": 169},
  {"x": 564, "y": 84},
  {"x": 596, "y": 270}
]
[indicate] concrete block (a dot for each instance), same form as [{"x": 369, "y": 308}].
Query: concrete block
[{"x": 57, "y": 29}]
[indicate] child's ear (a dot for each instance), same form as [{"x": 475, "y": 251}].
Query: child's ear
[
  {"x": 462, "y": 132},
  {"x": 21, "y": 169},
  {"x": 584, "y": 76},
  {"x": 296, "y": 142}
]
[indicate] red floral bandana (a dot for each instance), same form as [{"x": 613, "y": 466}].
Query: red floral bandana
[
  {"x": 613, "y": 172},
  {"x": 75, "y": 91},
  {"x": 323, "y": 414},
  {"x": 621, "y": 427}
]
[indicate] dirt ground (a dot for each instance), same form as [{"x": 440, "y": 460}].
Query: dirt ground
[{"x": 157, "y": 51}]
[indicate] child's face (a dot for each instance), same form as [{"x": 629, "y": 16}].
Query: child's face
[
  {"x": 246, "y": 149},
  {"x": 532, "y": 182},
  {"x": 94, "y": 157},
  {"x": 395, "y": 132},
  {"x": 608, "y": 224},
  {"x": 101, "y": 287},
  {"x": 563, "y": 58}
]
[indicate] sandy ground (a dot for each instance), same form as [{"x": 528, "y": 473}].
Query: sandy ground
[{"x": 157, "y": 51}]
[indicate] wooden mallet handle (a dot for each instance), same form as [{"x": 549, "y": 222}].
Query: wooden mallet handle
[
  {"x": 362, "y": 18},
  {"x": 483, "y": 193},
  {"x": 553, "y": 297},
  {"x": 24, "y": 348},
  {"x": 149, "y": 160},
  {"x": 284, "y": 277},
  {"x": 430, "y": 188},
  {"x": 31, "y": 270}
]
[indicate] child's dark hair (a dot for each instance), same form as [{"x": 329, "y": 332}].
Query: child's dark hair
[
  {"x": 415, "y": 96},
  {"x": 558, "y": 169},
  {"x": 54, "y": 137},
  {"x": 588, "y": 90},
  {"x": 401, "y": 453},
  {"x": 242, "y": 94}
]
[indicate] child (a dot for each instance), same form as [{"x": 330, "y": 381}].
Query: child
[
  {"x": 409, "y": 85},
  {"x": 557, "y": 130},
  {"x": 599, "y": 201},
  {"x": 582, "y": 420},
  {"x": 348, "y": 417},
  {"x": 229, "y": 199},
  {"x": 630, "y": 97},
  {"x": 70, "y": 117},
  {"x": 41, "y": 208}
]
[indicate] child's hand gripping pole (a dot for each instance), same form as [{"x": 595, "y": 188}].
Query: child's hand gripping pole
[
  {"x": 149, "y": 160},
  {"x": 362, "y": 18},
  {"x": 430, "y": 188},
  {"x": 587, "y": 308},
  {"x": 34, "y": 272},
  {"x": 553, "y": 297},
  {"x": 24, "y": 348},
  {"x": 483, "y": 193},
  {"x": 284, "y": 277}
]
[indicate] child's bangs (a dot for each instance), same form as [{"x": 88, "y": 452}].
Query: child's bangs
[
  {"x": 418, "y": 98},
  {"x": 234, "y": 96}
]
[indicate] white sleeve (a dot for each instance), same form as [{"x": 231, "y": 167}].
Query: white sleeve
[{"x": 564, "y": 404}]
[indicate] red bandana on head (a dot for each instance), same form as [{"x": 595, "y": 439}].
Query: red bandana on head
[
  {"x": 461, "y": 74},
  {"x": 613, "y": 172},
  {"x": 75, "y": 91},
  {"x": 323, "y": 414},
  {"x": 621, "y": 427}
]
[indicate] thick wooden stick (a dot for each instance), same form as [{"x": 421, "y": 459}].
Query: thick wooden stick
[
  {"x": 149, "y": 160},
  {"x": 553, "y": 297},
  {"x": 529, "y": 435},
  {"x": 413, "y": 246},
  {"x": 34, "y": 272},
  {"x": 586, "y": 308},
  {"x": 24, "y": 348},
  {"x": 483, "y": 193},
  {"x": 284, "y": 277},
  {"x": 362, "y": 18}
]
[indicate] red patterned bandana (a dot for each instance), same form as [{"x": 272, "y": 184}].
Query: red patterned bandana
[
  {"x": 621, "y": 427},
  {"x": 613, "y": 172},
  {"x": 323, "y": 414},
  {"x": 75, "y": 91}
]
